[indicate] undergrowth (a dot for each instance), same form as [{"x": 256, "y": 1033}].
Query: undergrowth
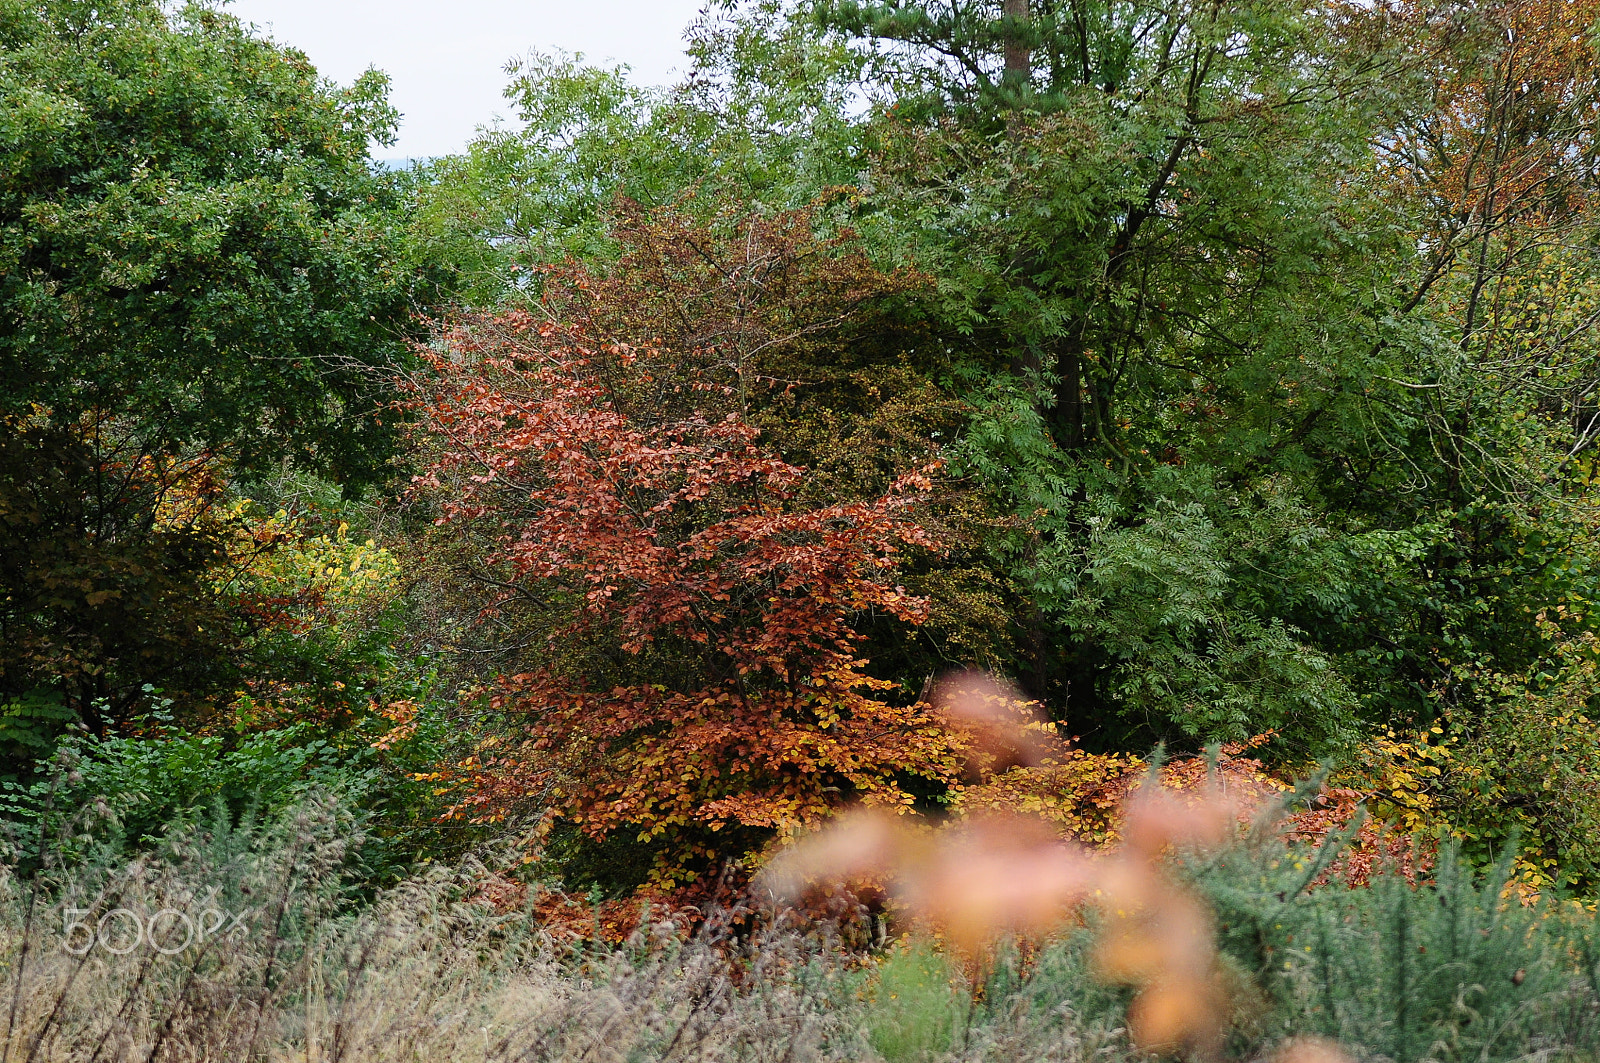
[{"x": 303, "y": 968}]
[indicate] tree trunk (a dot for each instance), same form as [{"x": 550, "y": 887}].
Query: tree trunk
[
  {"x": 1019, "y": 58},
  {"x": 1067, "y": 420}
]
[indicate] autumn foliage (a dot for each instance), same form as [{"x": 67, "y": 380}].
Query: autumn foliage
[
  {"x": 700, "y": 685},
  {"x": 1510, "y": 138}
]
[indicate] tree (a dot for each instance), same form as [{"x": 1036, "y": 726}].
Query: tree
[
  {"x": 1233, "y": 395},
  {"x": 763, "y": 117},
  {"x": 1490, "y": 171},
  {"x": 693, "y": 676},
  {"x": 191, "y": 237},
  {"x": 104, "y": 592},
  {"x": 1167, "y": 327},
  {"x": 200, "y": 274}
]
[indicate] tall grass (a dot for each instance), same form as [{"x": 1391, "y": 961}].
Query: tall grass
[
  {"x": 309, "y": 972},
  {"x": 306, "y": 973}
]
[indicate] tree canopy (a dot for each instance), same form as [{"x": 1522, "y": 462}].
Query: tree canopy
[
  {"x": 192, "y": 239},
  {"x": 1217, "y": 373}
]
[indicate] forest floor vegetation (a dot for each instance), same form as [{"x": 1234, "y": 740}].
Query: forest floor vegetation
[{"x": 1453, "y": 967}]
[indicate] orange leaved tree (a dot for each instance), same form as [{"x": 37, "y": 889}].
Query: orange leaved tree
[
  {"x": 1502, "y": 164},
  {"x": 698, "y": 686}
]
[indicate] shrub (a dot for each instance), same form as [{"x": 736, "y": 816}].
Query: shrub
[
  {"x": 1450, "y": 969},
  {"x": 132, "y": 789},
  {"x": 1514, "y": 767}
]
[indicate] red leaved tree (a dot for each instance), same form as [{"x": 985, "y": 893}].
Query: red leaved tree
[{"x": 699, "y": 685}]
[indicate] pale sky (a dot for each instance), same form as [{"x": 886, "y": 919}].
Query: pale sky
[{"x": 446, "y": 57}]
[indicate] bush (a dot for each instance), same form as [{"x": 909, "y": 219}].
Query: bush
[
  {"x": 1453, "y": 968},
  {"x": 1513, "y": 765},
  {"x": 133, "y": 789}
]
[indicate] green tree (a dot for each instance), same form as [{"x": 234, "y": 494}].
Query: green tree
[
  {"x": 1222, "y": 274},
  {"x": 191, "y": 236},
  {"x": 763, "y": 120},
  {"x": 1167, "y": 325},
  {"x": 201, "y": 278}
]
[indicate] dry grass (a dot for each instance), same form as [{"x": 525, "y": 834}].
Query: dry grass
[
  {"x": 415, "y": 975},
  {"x": 312, "y": 974}
]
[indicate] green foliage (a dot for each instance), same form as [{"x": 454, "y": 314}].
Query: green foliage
[
  {"x": 535, "y": 195},
  {"x": 310, "y": 693},
  {"x": 762, "y": 122},
  {"x": 146, "y": 782},
  {"x": 191, "y": 238},
  {"x": 1249, "y": 469},
  {"x": 30, "y": 724},
  {"x": 132, "y": 789},
  {"x": 1237, "y": 442},
  {"x": 1161, "y": 321},
  {"x": 1448, "y": 970},
  {"x": 1185, "y": 598}
]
